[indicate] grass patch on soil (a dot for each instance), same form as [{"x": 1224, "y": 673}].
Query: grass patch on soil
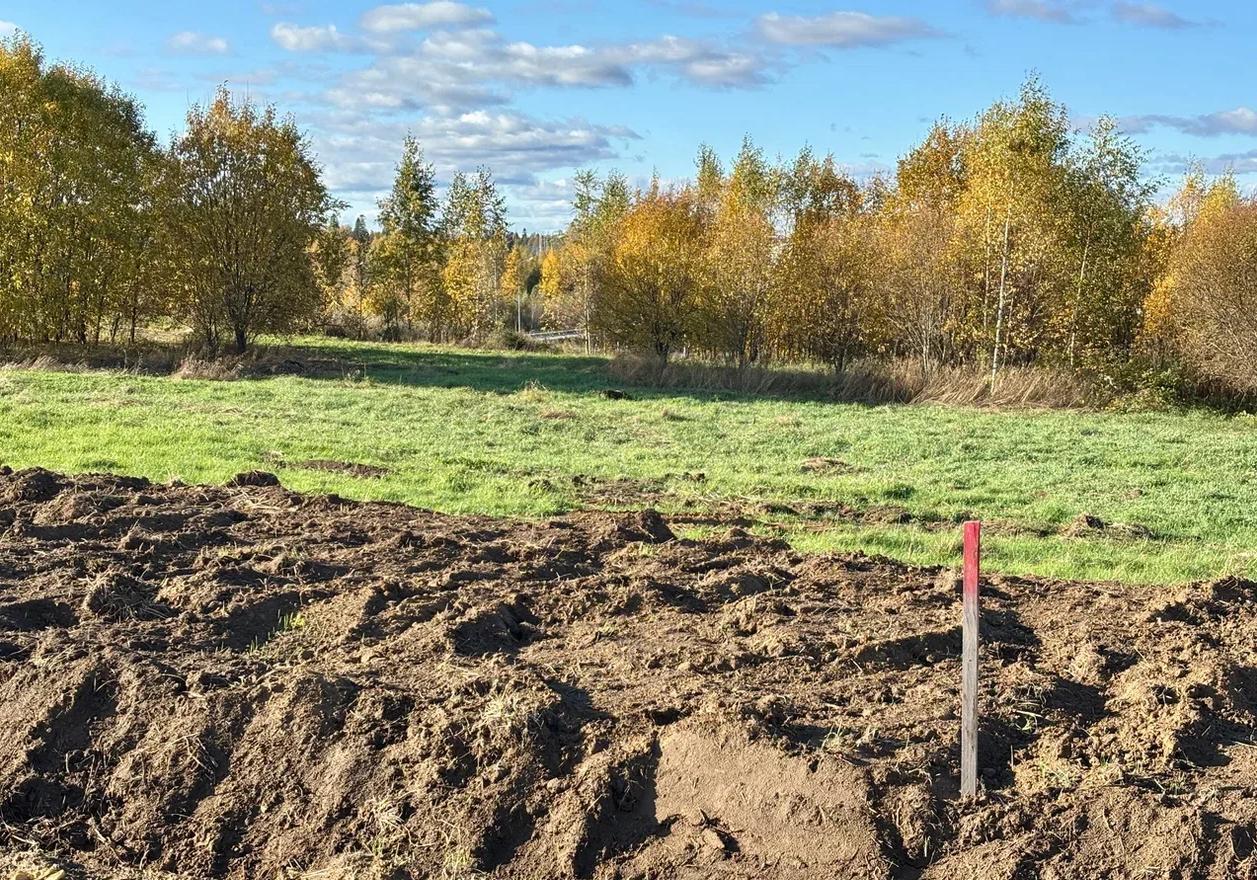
[{"x": 1169, "y": 495}]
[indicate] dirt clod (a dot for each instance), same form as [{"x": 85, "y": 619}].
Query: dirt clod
[
  {"x": 32, "y": 484},
  {"x": 253, "y": 478},
  {"x": 238, "y": 682},
  {"x": 350, "y": 468}
]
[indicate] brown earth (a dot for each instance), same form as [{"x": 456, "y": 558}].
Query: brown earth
[{"x": 245, "y": 682}]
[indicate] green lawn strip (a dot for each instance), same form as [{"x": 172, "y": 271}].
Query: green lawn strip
[{"x": 532, "y": 434}]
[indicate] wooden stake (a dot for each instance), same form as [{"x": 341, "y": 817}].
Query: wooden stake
[{"x": 969, "y": 664}]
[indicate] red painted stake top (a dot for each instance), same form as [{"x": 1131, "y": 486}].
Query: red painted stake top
[{"x": 973, "y": 538}]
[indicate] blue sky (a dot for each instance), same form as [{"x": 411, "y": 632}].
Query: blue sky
[{"x": 538, "y": 88}]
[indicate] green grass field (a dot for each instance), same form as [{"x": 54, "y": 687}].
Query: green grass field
[{"x": 532, "y": 434}]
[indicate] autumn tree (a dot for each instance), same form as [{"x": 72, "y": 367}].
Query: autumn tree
[
  {"x": 1015, "y": 169},
  {"x": 652, "y": 275},
  {"x": 827, "y": 274},
  {"x": 1163, "y": 328},
  {"x": 1104, "y": 206},
  {"x": 916, "y": 240},
  {"x": 1211, "y": 283},
  {"x": 355, "y": 304},
  {"x": 739, "y": 259},
  {"x": 78, "y": 181},
  {"x": 570, "y": 272},
  {"x": 246, "y": 205},
  {"x": 823, "y": 306},
  {"x": 815, "y": 190},
  {"x": 406, "y": 255},
  {"x": 24, "y": 135},
  {"x": 474, "y": 238},
  {"x": 551, "y": 285},
  {"x": 918, "y": 281},
  {"x": 331, "y": 254}
]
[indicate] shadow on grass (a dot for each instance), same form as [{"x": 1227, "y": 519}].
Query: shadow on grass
[
  {"x": 506, "y": 372},
  {"x": 431, "y": 366},
  {"x": 500, "y": 372}
]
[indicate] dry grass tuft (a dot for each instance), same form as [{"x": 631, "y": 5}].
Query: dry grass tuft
[
  {"x": 533, "y": 391},
  {"x": 901, "y": 381},
  {"x": 216, "y": 369},
  {"x": 1015, "y": 387},
  {"x": 74, "y": 358}
]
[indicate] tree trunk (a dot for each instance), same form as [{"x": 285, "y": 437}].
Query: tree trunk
[
  {"x": 999, "y": 310},
  {"x": 1073, "y": 318}
]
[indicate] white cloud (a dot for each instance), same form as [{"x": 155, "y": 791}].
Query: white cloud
[
  {"x": 1227, "y": 163},
  {"x": 842, "y": 30},
  {"x": 724, "y": 70},
  {"x": 192, "y": 42},
  {"x": 296, "y": 38},
  {"x": 1150, "y": 15},
  {"x": 1241, "y": 120},
  {"x": 453, "y": 71},
  {"x": 359, "y": 157},
  {"x": 442, "y": 76},
  {"x": 510, "y": 140},
  {"x": 8, "y": 29},
  {"x": 419, "y": 16},
  {"x": 452, "y": 87},
  {"x": 695, "y": 60},
  {"x": 573, "y": 65}
]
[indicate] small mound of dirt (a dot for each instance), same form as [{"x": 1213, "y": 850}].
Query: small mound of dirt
[
  {"x": 227, "y": 682},
  {"x": 504, "y": 626},
  {"x": 31, "y": 484},
  {"x": 350, "y": 468},
  {"x": 1087, "y": 525},
  {"x": 117, "y": 596},
  {"x": 650, "y": 526},
  {"x": 253, "y": 478}
]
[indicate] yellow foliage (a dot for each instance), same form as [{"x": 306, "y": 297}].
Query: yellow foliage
[
  {"x": 652, "y": 274},
  {"x": 1204, "y": 305}
]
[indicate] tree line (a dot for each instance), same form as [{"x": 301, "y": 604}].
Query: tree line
[
  {"x": 102, "y": 231},
  {"x": 228, "y": 231},
  {"x": 1010, "y": 239}
]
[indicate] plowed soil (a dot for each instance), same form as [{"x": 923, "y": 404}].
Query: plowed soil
[{"x": 245, "y": 682}]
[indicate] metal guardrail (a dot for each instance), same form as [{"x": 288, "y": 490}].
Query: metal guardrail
[{"x": 556, "y": 335}]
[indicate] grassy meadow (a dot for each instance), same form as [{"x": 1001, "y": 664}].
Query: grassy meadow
[{"x": 529, "y": 434}]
